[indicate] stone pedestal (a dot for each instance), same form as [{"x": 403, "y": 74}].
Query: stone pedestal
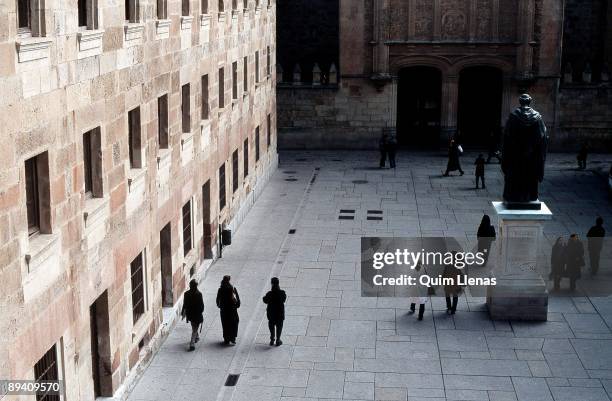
[{"x": 520, "y": 293}]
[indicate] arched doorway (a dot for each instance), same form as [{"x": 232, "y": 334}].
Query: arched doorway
[
  {"x": 418, "y": 107},
  {"x": 480, "y": 105}
]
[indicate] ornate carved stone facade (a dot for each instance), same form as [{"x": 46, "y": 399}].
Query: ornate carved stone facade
[{"x": 116, "y": 167}]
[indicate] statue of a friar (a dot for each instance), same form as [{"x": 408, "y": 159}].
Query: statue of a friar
[{"x": 523, "y": 156}]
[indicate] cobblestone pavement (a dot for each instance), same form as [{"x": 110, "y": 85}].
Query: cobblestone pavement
[{"x": 338, "y": 345}]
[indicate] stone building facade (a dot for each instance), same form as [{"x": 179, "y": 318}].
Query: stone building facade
[
  {"x": 433, "y": 69},
  {"x": 131, "y": 135}
]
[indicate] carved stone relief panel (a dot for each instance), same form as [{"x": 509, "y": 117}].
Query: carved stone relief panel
[
  {"x": 483, "y": 19},
  {"x": 423, "y": 19},
  {"x": 398, "y": 17},
  {"x": 454, "y": 23},
  {"x": 508, "y": 11}
]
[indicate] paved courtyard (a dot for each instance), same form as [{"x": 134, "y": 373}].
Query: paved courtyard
[{"x": 340, "y": 346}]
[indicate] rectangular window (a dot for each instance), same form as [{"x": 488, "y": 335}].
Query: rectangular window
[
  {"x": 235, "y": 80},
  {"x": 257, "y": 66},
  {"x": 187, "y": 246},
  {"x": 132, "y": 10},
  {"x": 245, "y": 150},
  {"x": 204, "y": 6},
  {"x": 92, "y": 163},
  {"x": 82, "y": 7},
  {"x": 221, "y": 88},
  {"x": 245, "y": 4},
  {"x": 256, "y": 3},
  {"x": 268, "y": 61},
  {"x": 162, "y": 121},
  {"x": 222, "y": 187},
  {"x": 234, "y": 5},
  {"x": 186, "y": 108},
  {"x": 257, "y": 144},
  {"x": 205, "y": 105},
  {"x": 46, "y": 369},
  {"x": 134, "y": 138},
  {"x": 245, "y": 73},
  {"x": 221, "y": 6},
  {"x": 269, "y": 123},
  {"x": 235, "y": 171},
  {"x": 137, "y": 280},
  {"x": 24, "y": 15},
  {"x": 38, "y": 203},
  {"x": 185, "y": 8},
  {"x": 162, "y": 9}
]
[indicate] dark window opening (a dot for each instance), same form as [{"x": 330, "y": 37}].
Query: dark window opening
[
  {"x": 269, "y": 123},
  {"x": 221, "y": 6},
  {"x": 222, "y": 187},
  {"x": 245, "y": 73},
  {"x": 221, "y": 88},
  {"x": 204, "y": 6},
  {"x": 162, "y": 9},
  {"x": 235, "y": 171},
  {"x": 82, "y": 6},
  {"x": 185, "y": 7},
  {"x": 46, "y": 369},
  {"x": 187, "y": 228},
  {"x": 235, "y": 80},
  {"x": 162, "y": 121},
  {"x": 134, "y": 139},
  {"x": 24, "y": 13},
  {"x": 268, "y": 61},
  {"x": 245, "y": 150},
  {"x": 32, "y": 196},
  {"x": 205, "y": 105},
  {"x": 137, "y": 280},
  {"x": 257, "y": 66},
  {"x": 257, "y": 144},
  {"x": 87, "y": 162},
  {"x": 186, "y": 108}
]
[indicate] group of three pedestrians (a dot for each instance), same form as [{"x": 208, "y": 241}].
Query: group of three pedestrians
[{"x": 228, "y": 302}]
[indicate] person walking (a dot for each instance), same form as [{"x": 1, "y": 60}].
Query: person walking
[
  {"x": 418, "y": 292},
  {"x": 228, "y": 301},
  {"x": 557, "y": 262},
  {"x": 574, "y": 256},
  {"x": 583, "y": 153},
  {"x": 275, "y": 299},
  {"x": 391, "y": 149},
  {"x": 193, "y": 312},
  {"x": 485, "y": 235},
  {"x": 382, "y": 147},
  {"x": 480, "y": 170},
  {"x": 454, "y": 152},
  {"x": 452, "y": 287},
  {"x": 595, "y": 239}
]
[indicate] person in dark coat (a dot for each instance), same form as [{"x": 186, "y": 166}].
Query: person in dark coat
[
  {"x": 480, "y": 170},
  {"x": 574, "y": 257},
  {"x": 452, "y": 287},
  {"x": 557, "y": 262},
  {"x": 192, "y": 311},
  {"x": 454, "y": 152},
  {"x": 228, "y": 302},
  {"x": 382, "y": 147},
  {"x": 275, "y": 299},
  {"x": 486, "y": 236},
  {"x": 583, "y": 153},
  {"x": 595, "y": 238}
]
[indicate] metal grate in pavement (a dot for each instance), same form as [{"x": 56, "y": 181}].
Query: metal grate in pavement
[{"x": 231, "y": 380}]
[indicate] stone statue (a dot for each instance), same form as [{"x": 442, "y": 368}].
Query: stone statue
[{"x": 523, "y": 156}]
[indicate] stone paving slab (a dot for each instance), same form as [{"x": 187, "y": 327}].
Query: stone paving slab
[{"x": 340, "y": 346}]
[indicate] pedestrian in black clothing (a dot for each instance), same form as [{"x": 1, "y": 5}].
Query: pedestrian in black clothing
[
  {"x": 192, "y": 311},
  {"x": 486, "y": 236},
  {"x": 595, "y": 238},
  {"x": 452, "y": 286},
  {"x": 557, "y": 262},
  {"x": 454, "y": 152},
  {"x": 574, "y": 257},
  {"x": 228, "y": 302},
  {"x": 392, "y": 150},
  {"x": 480, "y": 170},
  {"x": 382, "y": 147},
  {"x": 582, "y": 157},
  {"x": 388, "y": 147},
  {"x": 275, "y": 299}
]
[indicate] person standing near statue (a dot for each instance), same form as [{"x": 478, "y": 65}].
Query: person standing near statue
[
  {"x": 574, "y": 257},
  {"x": 595, "y": 238},
  {"x": 454, "y": 152},
  {"x": 524, "y": 156}
]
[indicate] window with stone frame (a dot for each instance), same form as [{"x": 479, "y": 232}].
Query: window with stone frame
[
  {"x": 46, "y": 370},
  {"x": 205, "y": 98},
  {"x": 162, "y": 9},
  {"x": 92, "y": 163},
  {"x": 185, "y": 8},
  {"x": 245, "y": 73},
  {"x": 204, "y": 6},
  {"x": 162, "y": 122},
  {"x": 186, "y": 108},
  {"x": 134, "y": 138},
  {"x": 234, "y": 5},
  {"x": 221, "y": 88},
  {"x": 222, "y": 201},
  {"x": 187, "y": 229},
  {"x": 257, "y": 3},
  {"x": 88, "y": 14},
  {"x": 245, "y": 151},
  {"x": 137, "y": 282},
  {"x": 38, "y": 198},
  {"x": 221, "y": 6},
  {"x": 268, "y": 61},
  {"x": 245, "y": 4},
  {"x": 235, "y": 171},
  {"x": 235, "y": 80},
  {"x": 269, "y": 133},
  {"x": 31, "y": 18},
  {"x": 257, "y": 66},
  {"x": 132, "y": 10},
  {"x": 256, "y": 144}
]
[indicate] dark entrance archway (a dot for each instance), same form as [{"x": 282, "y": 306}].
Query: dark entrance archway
[
  {"x": 418, "y": 107},
  {"x": 480, "y": 105}
]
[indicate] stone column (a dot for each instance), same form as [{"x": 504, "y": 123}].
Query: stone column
[
  {"x": 525, "y": 36},
  {"x": 448, "y": 112},
  {"x": 520, "y": 292},
  {"x": 393, "y": 103}
]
